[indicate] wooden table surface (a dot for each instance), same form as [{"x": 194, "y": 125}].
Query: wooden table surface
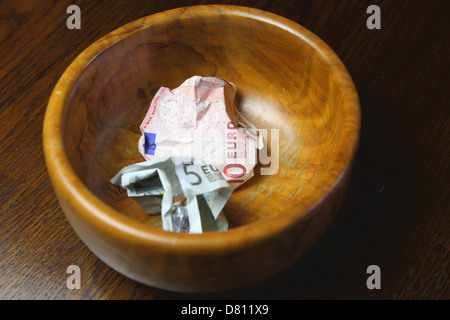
[{"x": 395, "y": 215}]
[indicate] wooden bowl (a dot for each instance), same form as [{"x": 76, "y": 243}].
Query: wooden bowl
[{"x": 286, "y": 77}]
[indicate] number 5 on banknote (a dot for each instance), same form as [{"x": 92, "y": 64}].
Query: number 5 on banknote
[{"x": 199, "y": 179}]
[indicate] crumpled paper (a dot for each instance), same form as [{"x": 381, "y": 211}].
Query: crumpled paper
[
  {"x": 205, "y": 191},
  {"x": 198, "y": 148},
  {"x": 199, "y": 123}
]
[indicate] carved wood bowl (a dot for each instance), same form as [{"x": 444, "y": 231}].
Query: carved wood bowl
[{"x": 287, "y": 79}]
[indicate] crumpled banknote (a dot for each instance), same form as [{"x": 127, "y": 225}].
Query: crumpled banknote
[
  {"x": 198, "y": 148},
  {"x": 199, "y": 122},
  {"x": 203, "y": 188}
]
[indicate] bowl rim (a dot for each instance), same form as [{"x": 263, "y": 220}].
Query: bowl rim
[{"x": 124, "y": 229}]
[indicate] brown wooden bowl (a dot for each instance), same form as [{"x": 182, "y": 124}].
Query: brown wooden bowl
[{"x": 287, "y": 78}]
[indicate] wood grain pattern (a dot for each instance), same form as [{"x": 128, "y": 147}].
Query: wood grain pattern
[
  {"x": 288, "y": 80},
  {"x": 395, "y": 214}
]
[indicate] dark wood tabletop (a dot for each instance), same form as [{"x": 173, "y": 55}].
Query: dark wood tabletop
[{"x": 395, "y": 214}]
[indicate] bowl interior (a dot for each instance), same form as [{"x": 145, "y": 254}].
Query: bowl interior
[{"x": 284, "y": 81}]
